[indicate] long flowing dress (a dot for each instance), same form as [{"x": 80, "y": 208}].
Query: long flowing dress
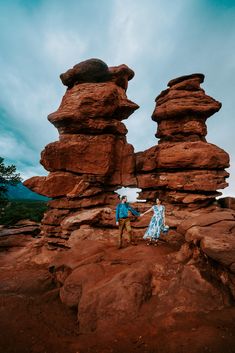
[{"x": 156, "y": 224}]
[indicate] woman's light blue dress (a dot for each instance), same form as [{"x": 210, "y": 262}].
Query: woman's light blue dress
[{"x": 156, "y": 224}]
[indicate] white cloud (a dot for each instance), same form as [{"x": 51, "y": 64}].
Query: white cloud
[
  {"x": 62, "y": 47},
  {"x": 14, "y": 149},
  {"x": 27, "y": 172},
  {"x": 131, "y": 193},
  {"x": 17, "y": 152}
]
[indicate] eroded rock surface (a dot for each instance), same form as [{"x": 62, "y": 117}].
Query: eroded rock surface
[
  {"x": 140, "y": 291},
  {"x": 92, "y": 157},
  {"x": 121, "y": 300},
  {"x": 183, "y": 169}
]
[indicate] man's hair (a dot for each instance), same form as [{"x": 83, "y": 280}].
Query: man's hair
[{"x": 123, "y": 197}]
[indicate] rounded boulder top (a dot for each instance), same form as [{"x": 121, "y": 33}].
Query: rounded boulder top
[
  {"x": 91, "y": 70},
  {"x": 186, "y": 77}
]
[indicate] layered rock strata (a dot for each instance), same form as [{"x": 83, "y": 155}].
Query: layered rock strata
[
  {"x": 183, "y": 168},
  {"x": 92, "y": 157}
]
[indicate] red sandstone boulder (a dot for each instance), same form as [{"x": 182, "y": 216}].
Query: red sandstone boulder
[
  {"x": 198, "y": 77},
  {"x": 220, "y": 247},
  {"x": 121, "y": 296},
  {"x": 121, "y": 75},
  {"x": 84, "y": 189},
  {"x": 96, "y": 216},
  {"x": 80, "y": 154},
  {"x": 123, "y": 165},
  {"x": 95, "y": 70},
  {"x": 70, "y": 125},
  {"x": 196, "y": 233},
  {"x": 189, "y": 125},
  {"x": 23, "y": 280},
  {"x": 54, "y": 217},
  {"x": 206, "y": 219},
  {"x": 54, "y": 231},
  {"x": 183, "y": 98},
  {"x": 200, "y": 180},
  {"x": 215, "y": 232},
  {"x": 188, "y": 199},
  {"x": 82, "y": 278},
  {"x": 108, "y": 198},
  {"x": 93, "y": 101},
  {"x": 186, "y": 83},
  {"x": 92, "y": 233},
  {"x": 185, "y": 155},
  {"x": 186, "y": 291},
  {"x": 31, "y": 230},
  {"x": 146, "y": 161},
  {"x": 20, "y": 237},
  {"x": 91, "y": 70},
  {"x": 54, "y": 185},
  {"x": 25, "y": 223},
  {"x": 113, "y": 158},
  {"x": 182, "y": 103},
  {"x": 227, "y": 202}
]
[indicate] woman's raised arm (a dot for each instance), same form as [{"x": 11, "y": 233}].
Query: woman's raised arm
[{"x": 150, "y": 209}]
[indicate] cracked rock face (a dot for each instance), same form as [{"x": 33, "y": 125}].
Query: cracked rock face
[{"x": 215, "y": 232}]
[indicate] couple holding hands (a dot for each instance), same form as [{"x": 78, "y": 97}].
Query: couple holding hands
[{"x": 156, "y": 225}]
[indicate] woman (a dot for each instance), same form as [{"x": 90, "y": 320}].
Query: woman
[{"x": 157, "y": 223}]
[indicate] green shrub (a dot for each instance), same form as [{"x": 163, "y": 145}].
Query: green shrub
[{"x": 13, "y": 211}]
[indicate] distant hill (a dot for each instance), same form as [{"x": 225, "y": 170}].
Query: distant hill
[{"x": 20, "y": 192}]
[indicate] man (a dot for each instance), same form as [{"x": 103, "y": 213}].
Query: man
[{"x": 123, "y": 221}]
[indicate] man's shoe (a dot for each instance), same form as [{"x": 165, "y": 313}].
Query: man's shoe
[
  {"x": 155, "y": 243},
  {"x": 133, "y": 243}
]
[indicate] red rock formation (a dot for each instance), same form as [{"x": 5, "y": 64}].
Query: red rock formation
[
  {"x": 144, "y": 295},
  {"x": 92, "y": 157},
  {"x": 213, "y": 234},
  {"x": 183, "y": 98},
  {"x": 183, "y": 168},
  {"x": 227, "y": 202},
  {"x": 141, "y": 299}
]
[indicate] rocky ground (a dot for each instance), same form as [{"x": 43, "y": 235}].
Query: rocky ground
[
  {"x": 96, "y": 298},
  {"x": 65, "y": 287}
]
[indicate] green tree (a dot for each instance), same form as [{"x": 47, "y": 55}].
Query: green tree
[{"x": 8, "y": 176}]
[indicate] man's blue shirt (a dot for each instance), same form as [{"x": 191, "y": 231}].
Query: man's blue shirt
[{"x": 122, "y": 211}]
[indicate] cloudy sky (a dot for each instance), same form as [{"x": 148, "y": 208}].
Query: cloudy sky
[{"x": 159, "y": 40}]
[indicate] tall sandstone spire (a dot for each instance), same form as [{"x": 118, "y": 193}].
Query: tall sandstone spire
[
  {"x": 183, "y": 168},
  {"x": 92, "y": 157}
]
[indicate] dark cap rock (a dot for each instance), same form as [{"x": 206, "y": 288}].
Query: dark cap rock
[
  {"x": 186, "y": 77},
  {"x": 91, "y": 70}
]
